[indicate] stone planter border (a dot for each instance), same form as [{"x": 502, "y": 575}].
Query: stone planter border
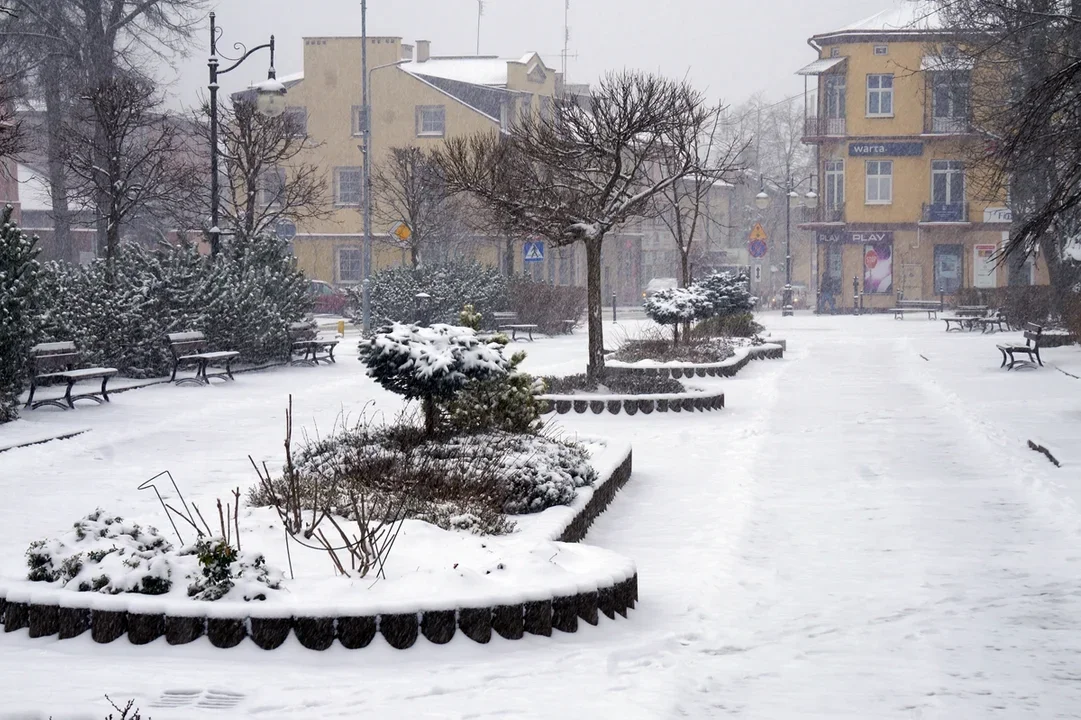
[
  {"x": 769, "y": 351},
  {"x": 46, "y": 616},
  {"x": 633, "y": 404}
]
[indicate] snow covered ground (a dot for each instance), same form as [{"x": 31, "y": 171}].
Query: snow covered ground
[{"x": 862, "y": 533}]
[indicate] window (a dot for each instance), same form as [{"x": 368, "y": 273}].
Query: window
[
  {"x": 296, "y": 121},
  {"x": 880, "y": 95},
  {"x": 350, "y": 265},
  {"x": 431, "y": 121},
  {"x": 835, "y": 52},
  {"x": 835, "y": 187},
  {"x": 949, "y": 101},
  {"x": 835, "y": 95},
  {"x": 357, "y": 121},
  {"x": 948, "y": 269},
  {"x": 947, "y": 182},
  {"x": 882, "y": 50},
  {"x": 348, "y": 186},
  {"x": 879, "y": 182},
  {"x": 272, "y": 187}
]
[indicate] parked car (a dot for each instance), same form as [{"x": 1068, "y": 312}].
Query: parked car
[
  {"x": 326, "y": 300},
  {"x": 658, "y": 284}
]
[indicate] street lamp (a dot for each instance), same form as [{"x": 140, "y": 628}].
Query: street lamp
[
  {"x": 809, "y": 200},
  {"x": 270, "y": 102}
]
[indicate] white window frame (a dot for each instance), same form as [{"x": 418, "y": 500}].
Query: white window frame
[
  {"x": 422, "y": 111},
  {"x": 947, "y": 168},
  {"x": 268, "y": 196},
  {"x": 878, "y": 180},
  {"x": 834, "y": 174},
  {"x": 881, "y": 50},
  {"x": 338, "y": 186},
  {"x": 876, "y": 87},
  {"x": 349, "y": 249}
]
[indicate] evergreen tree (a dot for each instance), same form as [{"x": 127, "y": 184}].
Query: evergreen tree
[{"x": 19, "y": 273}]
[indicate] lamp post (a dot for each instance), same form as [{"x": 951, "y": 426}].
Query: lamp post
[
  {"x": 269, "y": 102},
  {"x": 809, "y": 200},
  {"x": 366, "y": 147}
]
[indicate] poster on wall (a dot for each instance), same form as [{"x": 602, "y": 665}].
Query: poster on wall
[
  {"x": 878, "y": 268},
  {"x": 984, "y": 266}
]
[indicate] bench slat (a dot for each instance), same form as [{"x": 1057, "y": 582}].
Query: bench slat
[
  {"x": 53, "y": 348},
  {"x": 187, "y": 336},
  {"x": 85, "y": 373}
]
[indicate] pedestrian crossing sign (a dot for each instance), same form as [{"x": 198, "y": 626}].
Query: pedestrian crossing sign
[{"x": 533, "y": 251}]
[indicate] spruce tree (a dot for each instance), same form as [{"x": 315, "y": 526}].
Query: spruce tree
[{"x": 19, "y": 275}]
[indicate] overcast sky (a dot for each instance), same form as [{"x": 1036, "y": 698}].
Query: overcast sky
[{"x": 729, "y": 48}]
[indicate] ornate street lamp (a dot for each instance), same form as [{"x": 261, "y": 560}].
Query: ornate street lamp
[
  {"x": 270, "y": 102},
  {"x": 810, "y": 200}
]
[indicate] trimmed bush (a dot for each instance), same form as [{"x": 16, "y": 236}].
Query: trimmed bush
[{"x": 19, "y": 276}]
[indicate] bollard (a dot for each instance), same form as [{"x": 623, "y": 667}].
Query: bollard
[
  {"x": 613, "y": 307},
  {"x": 341, "y": 328}
]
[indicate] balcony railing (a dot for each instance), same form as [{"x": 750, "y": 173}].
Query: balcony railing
[
  {"x": 945, "y": 213},
  {"x": 823, "y": 127},
  {"x": 823, "y": 215},
  {"x": 947, "y": 125}
]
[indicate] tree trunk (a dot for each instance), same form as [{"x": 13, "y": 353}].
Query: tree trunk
[
  {"x": 429, "y": 416},
  {"x": 595, "y": 307},
  {"x": 414, "y": 255},
  {"x": 508, "y": 256},
  {"x": 685, "y": 269},
  {"x": 675, "y": 334},
  {"x": 58, "y": 188}
]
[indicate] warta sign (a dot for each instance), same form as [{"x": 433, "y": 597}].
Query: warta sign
[
  {"x": 885, "y": 149},
  {"x": 877, "y": 237}
]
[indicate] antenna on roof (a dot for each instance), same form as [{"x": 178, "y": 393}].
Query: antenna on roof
[
  {"x": 480, "y": 11},
  {"x": 566, "y": 35}
]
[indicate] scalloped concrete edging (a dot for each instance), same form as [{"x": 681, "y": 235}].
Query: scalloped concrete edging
[
  {"x": 769, "y": 351},
  {"x": 400, "y": 630},
  {"x": 632, "y": 404}
]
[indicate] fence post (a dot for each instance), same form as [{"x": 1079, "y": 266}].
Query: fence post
[{"x": 613, "y": 307}]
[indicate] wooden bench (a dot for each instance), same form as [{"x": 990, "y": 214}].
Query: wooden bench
[
  {"x": 1031, "y": 348},
  {"x": 506, "y": 321},
  {"x": 988, "y": 324},
  {"x": 191, "y": 348},
  {"x": 962, "y": 323},
  {"x": 56, "y": 361},
  {"x": 305, "y": 341},
  {"x": 899, "y": 312},
  {"x": 975, "y": 311}
]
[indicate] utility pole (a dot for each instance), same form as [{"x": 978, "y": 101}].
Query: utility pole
[
  {"x": 480, "y": 11},
  {"x": 366, "y": 131},
  {"x": 566, "y": 35}
]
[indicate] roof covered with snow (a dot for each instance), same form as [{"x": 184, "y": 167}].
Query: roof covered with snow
[
  {"x": 905, "y": 18},
  {"x": 480, "y": 70}
]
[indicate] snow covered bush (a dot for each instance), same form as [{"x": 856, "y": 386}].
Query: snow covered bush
[
  {"x": 675, "y": 306},
  {"x": 469, "y": 317},
  {"x": 244, "y": 300},
  {"x": 736, "y": 325},
  {"x": 613, "y": 384},
  {"x": 19, "y": 275},
  {"x": 448, "y": 286},
  {"x": 431, "y": 364},
  {"x": 728, "y": 293},
  {"x": 505, "y": 402},
  {"x": 106, "y": 554}
]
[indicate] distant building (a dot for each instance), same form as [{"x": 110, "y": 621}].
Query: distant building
[{"x": 898, "y": 210}]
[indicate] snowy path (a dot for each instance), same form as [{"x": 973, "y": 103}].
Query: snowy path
[{"x": 852, "y": 537}]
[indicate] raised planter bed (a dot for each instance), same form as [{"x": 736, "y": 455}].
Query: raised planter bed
[
  {"x": 633, "y": 404},
  {"x": 609, "y": 586},
  {"x": 727, "y": 368}
]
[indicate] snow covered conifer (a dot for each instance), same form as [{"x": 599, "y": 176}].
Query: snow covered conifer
[
  {"x": 431, "y": 364},
  {"x": 728, "y": 293},
  {"x": 19, "y": 274},
  {"x": 673, "y": 306}
]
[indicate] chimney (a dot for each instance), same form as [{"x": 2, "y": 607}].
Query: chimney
[{"x": 424, "y": 50}]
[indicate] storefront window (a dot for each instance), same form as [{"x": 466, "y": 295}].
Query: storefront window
[
  {"x": 948, "y": 269},
  {"x": 878, "y": 268}
]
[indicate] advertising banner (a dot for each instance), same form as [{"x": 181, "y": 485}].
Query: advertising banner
[{"x": 878, "y": 268}]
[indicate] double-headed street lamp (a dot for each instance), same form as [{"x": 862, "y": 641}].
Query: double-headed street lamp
[
  {"x": 270, "y": 102},
  {"x": 809, "y": 200}
]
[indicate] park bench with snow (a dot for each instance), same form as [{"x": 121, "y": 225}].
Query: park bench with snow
[
  {"x": 305, "y": 341},
  {"x": 1031, "y": 348},
  {"x": 190, "y": 348},
  {"x": 57, "y": 361},
  {"x": 931, "y": 307},
  {"x": 508, "y": 321}
]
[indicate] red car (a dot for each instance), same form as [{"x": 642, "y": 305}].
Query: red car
[{"x": 326, "y": 300}]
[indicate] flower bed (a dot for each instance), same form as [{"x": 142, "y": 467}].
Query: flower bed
[
  {"x": 525, "y": 582},
  {"x": 727, "y": 368}
]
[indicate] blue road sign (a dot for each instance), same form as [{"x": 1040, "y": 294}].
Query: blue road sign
[
  {"x": 533, "y": 251},
  {"x": 286, "y": 230},
  {"x": 757, "y": 248}
]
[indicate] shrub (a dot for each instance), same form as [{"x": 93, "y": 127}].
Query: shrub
[
  {"x": 735, "y": 325},
  {"x": 614, "y": 383},
  {"x": 549, "y": 307},
  {"x": 393, "y": 292},
  {"x": 728, "y": 293},
  {"x": 504, "y": 402},
  {"x": 431, "y": 364},
  {"x": 19, "y": 276},
  {"x": 692, "y": 351},
  {"x": 469, "y": 318}
]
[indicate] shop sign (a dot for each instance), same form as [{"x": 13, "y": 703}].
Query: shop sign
[
  {"x": 862, "y": 237},
  {"x": 997, "y": 215},
  {"x": 885, "y": 149}
]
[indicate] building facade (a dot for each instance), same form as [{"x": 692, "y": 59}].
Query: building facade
[{"x": 902, "y": 213}]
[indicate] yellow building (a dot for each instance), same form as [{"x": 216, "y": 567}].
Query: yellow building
[
  {"x": 901, "y": 213},
  {"x": 417, "y": 99}
]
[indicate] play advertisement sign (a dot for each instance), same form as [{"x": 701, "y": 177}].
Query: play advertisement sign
[{"x": 878, "y": 268}]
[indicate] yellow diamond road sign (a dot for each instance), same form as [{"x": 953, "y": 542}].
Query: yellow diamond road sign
[
  {"x": 758, "y": 232},
  {"x": 402, "y": 232}
]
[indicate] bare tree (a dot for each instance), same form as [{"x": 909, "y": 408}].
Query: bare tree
[
  {"x": 265, "y": 179},
  {"x": 1025, "y": 91},
  {"x": 68, "y": 45},
  {"x": 409, "y": 187},
  {"x": 127, "y": 158},
  {"x": 574, "y": 175}
]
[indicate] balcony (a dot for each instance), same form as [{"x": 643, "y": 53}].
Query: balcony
[
  {"x": 823, "y": 127},
  {"x": 947, "y": 126},
  {"x": 824, "y": 216},
  {"x": 945, "y": 213}
]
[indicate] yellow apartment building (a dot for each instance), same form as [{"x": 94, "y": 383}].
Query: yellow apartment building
[
  {"x": 900, "y": 214},
  {"x": 417, "y": 99}
]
